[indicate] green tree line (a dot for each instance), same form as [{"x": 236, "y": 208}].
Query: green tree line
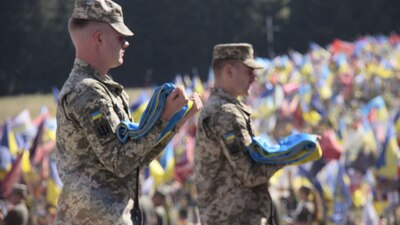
[{"x": 177, "y": 37}]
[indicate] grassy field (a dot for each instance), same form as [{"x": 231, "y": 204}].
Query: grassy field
[{"x": 12, "y": 105}]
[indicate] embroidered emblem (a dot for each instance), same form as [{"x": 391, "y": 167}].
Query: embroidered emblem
[
  {"x": 229, "y": 137},
  {"x": 96, "y": 115},
  {"x": 234, "y": 144},
  {"x": 100, "y": 123}
]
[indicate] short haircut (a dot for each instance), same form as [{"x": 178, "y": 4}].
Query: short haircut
[
  {"x": 218, "y": 64},
  {"x": 75, "y": 23}
]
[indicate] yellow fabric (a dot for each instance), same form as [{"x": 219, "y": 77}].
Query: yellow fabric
[
  {"x": 301, "y": 181},
  {"x": 12, "y": 144},
  {"x": 169, "y": 170},
  {"x": 139, "y": 111},
  {"x": 358, "y": 198},
  {"x": 274, "y": 180},
  {"x": 3, "y": 173},
  {"x": 397, "y": 126},
  {"x": 25, "y": 162},
  {"x": 157, "y": 172},
  {"x": 325, "y": 92},
  {"x": 391, "y": 158},
  {"x": 312, "y": 117},
  {"x": 53, "y": 192},
  {"x": 198, "y": 86},
  {"x": 380, "y": 206},
  {"x": 317, "y": 154}
]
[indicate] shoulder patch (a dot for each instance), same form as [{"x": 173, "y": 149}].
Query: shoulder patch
[
  {"x": 100, "y": 123},
  {"x": 96, "y": 115},
  {"x": 229, "y": 137},
  {"x": 234, "y": 144}
]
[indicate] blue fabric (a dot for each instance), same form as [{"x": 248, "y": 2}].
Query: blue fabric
[
  {"x": 129, "y": 130},
  {"x": 291, "y": 149}
]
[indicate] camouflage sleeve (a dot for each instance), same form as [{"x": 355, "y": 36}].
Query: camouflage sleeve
[
  {"x": 232, "y": 130},
  {"x": 93, "y": 109}
]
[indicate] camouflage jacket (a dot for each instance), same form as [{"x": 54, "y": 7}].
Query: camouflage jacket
[
  {"x": 232, "y": 189},
  {"x": 98, "y": 172}
]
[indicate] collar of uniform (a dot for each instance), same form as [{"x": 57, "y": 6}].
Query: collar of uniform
[
  {"x": 91, "y": 71},
  {"x": 223, "y": 94}
]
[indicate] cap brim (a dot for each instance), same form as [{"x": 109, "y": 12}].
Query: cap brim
[
  {"x": 121, "y": 28},
  {"x": 253, "y": 64}
]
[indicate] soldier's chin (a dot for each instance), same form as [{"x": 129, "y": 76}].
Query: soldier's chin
[{"x": 118, "y": 63}]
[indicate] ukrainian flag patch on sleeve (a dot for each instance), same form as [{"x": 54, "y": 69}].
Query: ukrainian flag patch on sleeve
[
  {"x": 229, "y": 137},
  {"x": 100, "y": 123},
  {"x": 234, "y": 144},
  {"x": 96, "y": 115}
]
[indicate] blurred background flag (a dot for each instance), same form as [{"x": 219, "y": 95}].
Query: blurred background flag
[
  {"x": 167, "y": 162},
  {"x": 313, "y": 179},
  {"x": 139, "y": 106},
  {"x": 13, "y": 176},
  {"x": 369, "y": 215},
  {"x": 56, "y": 93},
  {"x": 342, "y": 198},
  {"x": 54, "y": 184},
  {"x": 156, "y": 172},
  {"x": 5, "y": 161},
  {"x": 388, "y": 158},
  {"x": 143, "y": 97},
  {"x": 37, "y": 139},
  {"x": 198, "y": 85},
  {"x": 5, "y": 155},
  {"x": 8, "y": 140}
]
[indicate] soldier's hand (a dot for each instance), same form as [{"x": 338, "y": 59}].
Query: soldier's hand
[
  {"x": 197, "y": 106},
  {"x": 174, "y": 102}
]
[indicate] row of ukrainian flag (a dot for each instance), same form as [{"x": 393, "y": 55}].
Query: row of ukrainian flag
[
  {"x": 26, "y": 148},
  {"x": 299, "y": 91},
  {"x": 349, "y": 93}
]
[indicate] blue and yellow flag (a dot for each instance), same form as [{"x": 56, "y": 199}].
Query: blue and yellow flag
[
  {"x": 342, "y": 197},
  {"x": 8, "y": 140},
  {"x": 167, "y": 162},
  {"x": 387, "y": 163},
  {"x": 54, "y": 184},
  {"x": 5, "y": 155}
]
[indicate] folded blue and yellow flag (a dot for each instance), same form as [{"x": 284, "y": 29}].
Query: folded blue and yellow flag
[
  {"x": 294, "y": 149},
  {"x": 130, "y": 130}
]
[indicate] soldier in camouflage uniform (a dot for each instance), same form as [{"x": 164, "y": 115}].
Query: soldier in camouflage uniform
[
  {"x": 99, "y": 172},
  {"x": 232, "y": 189}
]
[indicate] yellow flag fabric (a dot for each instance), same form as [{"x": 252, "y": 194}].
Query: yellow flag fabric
[
  {"x": 312, "y": 117},
  {"x": 54, "y": 185},
  {"x": 317, "y": 154},
  {"x": 53, "y": 192},
  {"x": 139, "y": 111},
  {"x": 12, "y": 143},
  {"x": 25, "y": 162},
  {"x": 157, "y": 172},
  {"x": 389, "y": 170}
]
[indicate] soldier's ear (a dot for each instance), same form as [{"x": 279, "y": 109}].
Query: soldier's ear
[
  {"x": 98, "y": 36},
  {"x": 228, "y": 69}
]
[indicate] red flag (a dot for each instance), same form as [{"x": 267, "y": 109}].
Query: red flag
[
  {"x": 13, "y": 176},
  {"x": 331, "y": 147},
  {"x": 37, "y": 140},
  {"x": 42, "y": 151}
]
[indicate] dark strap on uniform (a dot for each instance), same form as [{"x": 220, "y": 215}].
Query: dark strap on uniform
[{"x": 136, "y": 212}]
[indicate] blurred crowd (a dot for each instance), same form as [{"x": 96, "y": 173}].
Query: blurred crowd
[{"x": 346, "y": 92}]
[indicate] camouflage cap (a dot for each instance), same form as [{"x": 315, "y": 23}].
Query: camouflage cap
[
  {"x": 237, "y": 51},
  {"x": 102, "y": 10}
]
